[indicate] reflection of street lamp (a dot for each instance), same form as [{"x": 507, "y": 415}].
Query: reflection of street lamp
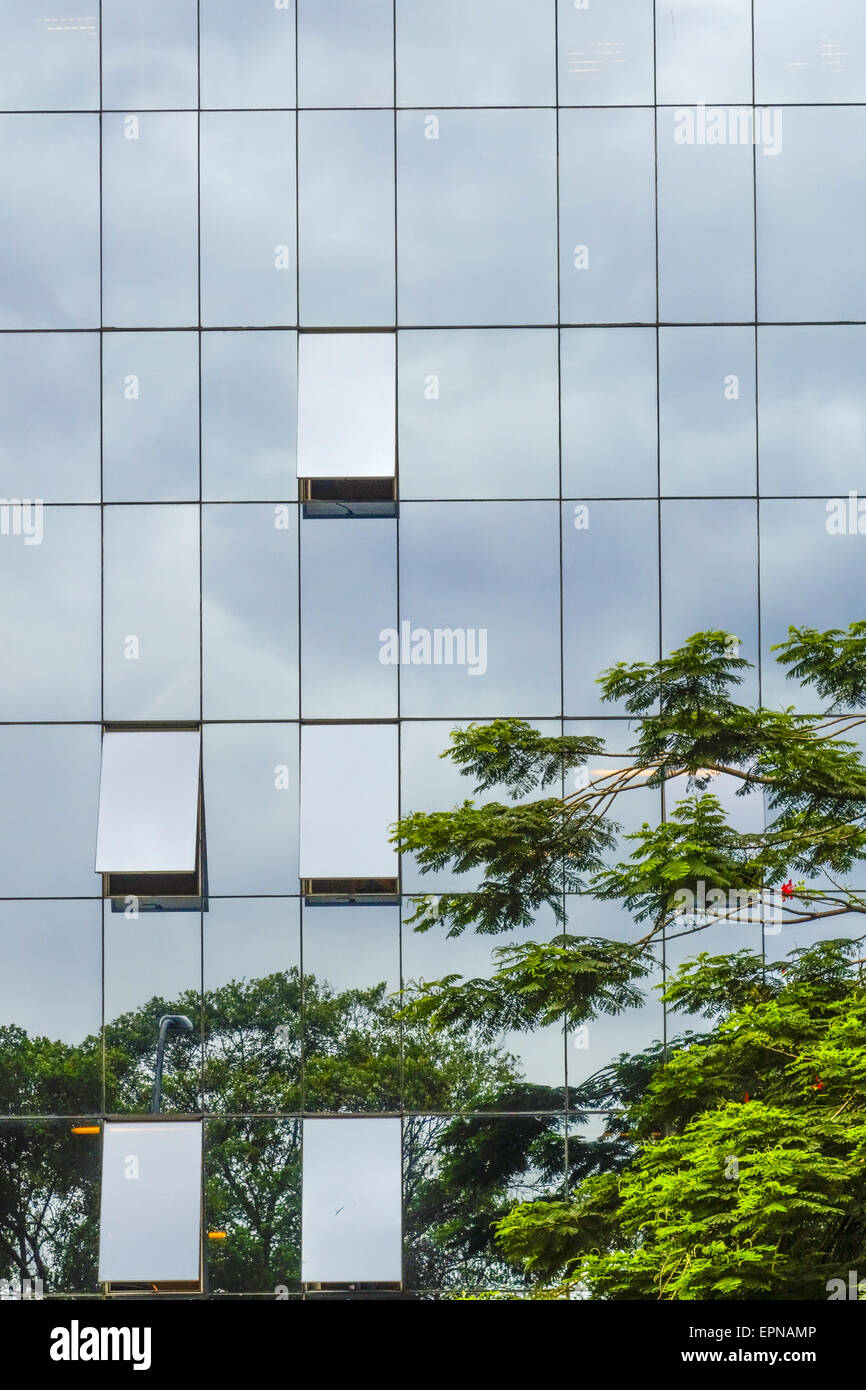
[{"x": 167, "y": 1021}]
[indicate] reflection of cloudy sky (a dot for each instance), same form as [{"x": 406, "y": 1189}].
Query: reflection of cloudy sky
[
  {"x": 247, "y": 212},
  {"x": 707, "y": 440},
  {"x": 251, "y": 825},
  {"x": 342, "y": 676},
  {"x": 149, "y": 220},
  {"x": 249, "y": 613},
  {"x": 345, "y": 52},
  {"x": 812, "y": 408},
  {"x": 50, "y": 982},
  {"x": 477, "y": 218},
  {"x": 151, "y": 592},
  {"x": 149, "y": 53},
  {"x": 346, "y": 161},
  {"x": 48, "y": 810},
  {"x": 607, "y": 204},
  {"x": 808, "y": 579},
  {"x": 49, "y": 408},
  {"x": 489, "y": 53},
  {"x": 249, "y": 400},
  {"x": 492, "y": 429},
  {"x": 150, "y": 444},
  {"x": 609, "y": 412},
  {"x": 48, "y": 64},
  {"x": 706, "y": 229},
  {"x": 606, "y": 53},
  {"x": 615, "y": 558},
  {"x": 809, "y": 52},
  {"x": 811, "y": 210},
  {"x": 710, "y": 575},
  {"x": 247, "y": 54},
  {"x": 49, "y": 619},
  {"x": 483, "y": 565},
  {"x": 704, "y": 51},
  {"x": 49, "y": 221}
]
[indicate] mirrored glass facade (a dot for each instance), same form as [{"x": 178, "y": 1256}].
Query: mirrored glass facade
[{"x": 606, "y": 261}]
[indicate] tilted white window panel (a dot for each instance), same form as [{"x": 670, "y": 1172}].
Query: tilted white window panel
[
  {"x": 150, "y": 1212},
  {"x": 349, "y": 782},
  {"x": 148, "y": 802},
  {"x": 351, "y": 1208},
  {"x": 347, "y": 386}
]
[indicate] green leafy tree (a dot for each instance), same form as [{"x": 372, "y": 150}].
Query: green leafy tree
[
  {"x": 658, "y": 1217},
  {"x": 247, "y": 1069}
]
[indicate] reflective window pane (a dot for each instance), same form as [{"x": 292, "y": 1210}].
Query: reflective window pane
[
  {"x": 253, "y": 1192},
  {"x": 50, "y": 1001},
  {"x": 48, "y": 810},
  {"x": 249, "y": 612},
  {"x": 479, "y": 609},
  {"x": 349, "y": 785},
  {"x": 811, "y": 208},
  {"x": 348, "y": 597},
  {"x": 51, "y": 1221},
  {"x": 149, "y": 220},
  {"x": 720, "y": 593},
  {"x": 609, "y": 594},
  {"x": 805, "y": 52},
  {"x": 607, "y": 216},
  {"x": 707, "y": 411},
  {"x": 489, "y": 53},
  {"x": 351, "y": 1030},
  {"x": 430, "y": 782},
  {"x": 252, "y": 1004},
  {"x": 49, "y": 171},
  {"x": 152, "y": 968},
  {"x": 150, "y": 388},
  {"x": 478, "y": 413},
  {"x": 151, "y": 608},
  {"x": 48, "y": 63},
  {"x": 49, "y": 405},
  {"x": 476, "y": 237},
  {"x": 813, "y": 565},
  {"x": 609, "y": 425},
  {"x": 704, "y": 50},
  {"x": 249, "y": 415},
  {"x": 345, "y": 53},
  {"x": 251, "y": 807},
  {"x": 346, "y": 160},
  {"x": 247, "y": 54},
  {"x": 597, "y": 1043},
  {"x": 149, "y": 53},
  {"x": 706, "y": 215},
  {"x": 525, "y": 1070},
  {"x": 248, "y": 244},
  {"x": 49, "y": 615},
  {"x": 365, "y": 1246},
  {"x": 346, "y": 392},
  {"x": 606, "y": 53},
  {"x": 811, "y": 407},
  {"x": 148, "y": 802},
  {"x": 150, "y": 1229}
]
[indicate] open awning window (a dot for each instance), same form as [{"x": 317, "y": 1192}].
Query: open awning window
[
  {"x": 149, "y": 808},
  {"x": 150, "y": 1213},
  {"x": 347, "y": 441},
  {"x": 349, "y": 784},
  {"x": 351, "y": 1204}
]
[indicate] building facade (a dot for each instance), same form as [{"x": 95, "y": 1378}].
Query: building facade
[{"x": 368, "y": 368}]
